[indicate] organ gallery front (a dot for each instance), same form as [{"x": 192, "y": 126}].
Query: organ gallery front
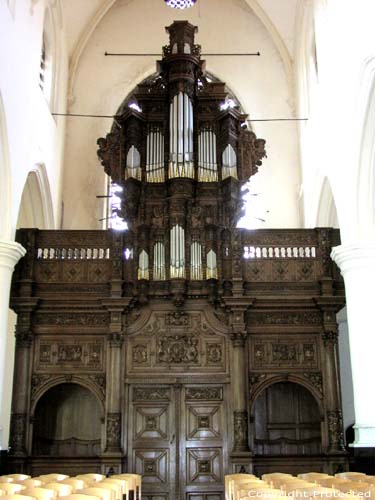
[{"x": 182, "y": 348}]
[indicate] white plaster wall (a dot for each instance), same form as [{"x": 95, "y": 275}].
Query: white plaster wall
[
  {"x": 29, "y": 136},
  {"x": 34, "y": 136},
  {"x": 101, "y": 83},
  {"x": 332, "y": 139}
]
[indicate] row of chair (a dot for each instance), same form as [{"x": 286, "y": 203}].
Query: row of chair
[
  {"x": 309, "y": 486},
  {"x": 90, "y": 486}
]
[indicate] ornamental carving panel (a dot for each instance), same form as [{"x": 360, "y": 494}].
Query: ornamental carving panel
[
  {"x": 269, "y": 353},
  {"x": 270, "y": 318},
  {"x": 178, "y": 340},
  {"x": 72, "y": 319},
  {"x": 281, "y": 270},
  {"x": 65, "y": 355}
]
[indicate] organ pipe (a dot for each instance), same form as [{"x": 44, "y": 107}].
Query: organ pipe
[
  {"x": 159, "y": 261},
  {"x": 207, "y": 165},
  {"x": 229, "y": 162},
  {"x": 196, "y": 272},
  {"x": 177, "y": 252},
  {"x": 181, "y": 151},
  {"x": 133, "y": 164},
  {"x": 211, "y": 272},
  {"x": 155, "y": 155},
  {"x": 143, "y": 272}
]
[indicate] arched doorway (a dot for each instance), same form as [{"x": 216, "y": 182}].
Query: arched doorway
[
  {"x": 286, "y": 421},
  {"x": 67, "y": 423}
]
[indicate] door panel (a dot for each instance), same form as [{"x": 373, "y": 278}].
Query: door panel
[
  {"x": 176, "y": 441},
  {"x": 152, "y": 448},
  {"x": 202, "y": 441}
]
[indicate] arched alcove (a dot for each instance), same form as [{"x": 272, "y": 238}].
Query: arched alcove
[
  {"x": 67, "y": 422},
  {"x": 36, "y": 204},
  {"x": 286, "y": 421}
]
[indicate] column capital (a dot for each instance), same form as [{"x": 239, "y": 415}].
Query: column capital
[
  {"x": 354, "y": 257},
  {"x": 10, "y": 254}
]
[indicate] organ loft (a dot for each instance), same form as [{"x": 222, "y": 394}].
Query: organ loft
[{"x": 182, "y": 348}]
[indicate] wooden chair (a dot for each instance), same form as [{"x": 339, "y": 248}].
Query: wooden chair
[
  {"x": 352, "y": 476},
  {"x": 112, "y": 488},
  {"x": 31, "y": 483},
  {"x": 62, "y": 490},
  {"x": 332, "y": 482},
  {"x": 40, "y": 493},
  {"x": 76, "y": 484},
  {"x": 313, "y": 476},
  {"x": 6, "y": 479},
  {"x": 120, "y": 484},
  {"x": 101, "y": 493},
  {"x": 134, "y": 482},
  {"x": 11, "y": 488},
  {"x": 231, "y": 479},
  {"x": 78, "y": 496},
  {"x": 16, "y": 496},
  {"x": 19, "y": 477},
  {"x": 52, "y": 478},
  {"x": 91, "y": 476}
]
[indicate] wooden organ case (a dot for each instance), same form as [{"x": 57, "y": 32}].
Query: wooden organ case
[{"x": 183, "y": 348}]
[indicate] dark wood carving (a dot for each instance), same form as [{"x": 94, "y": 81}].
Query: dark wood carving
[{"x": 181, "y": 368}]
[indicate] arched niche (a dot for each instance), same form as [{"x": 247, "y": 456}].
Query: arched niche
[
  {"x": 286, "y": 421},
  {"x": 36, "y": 204},
  {"x": 67, "y": 422}
]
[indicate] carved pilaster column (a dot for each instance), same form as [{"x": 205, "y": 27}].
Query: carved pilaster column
[
  {"x": 21, "y": 383},
  {"x": 10, "y": 253},
  {"x": 332, "y": 387},
  {"x": 240, "y": 419},
  {"x": 116, "y": 308}
]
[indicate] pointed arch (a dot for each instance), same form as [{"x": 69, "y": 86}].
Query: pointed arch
[
  {"x": 36, "y": 209},
  {"x": 327, "y": 214},
  {"x": 106, "y": 5},
  {"x": 5, "y": 196},
  {"x": 365, "y": 189}
]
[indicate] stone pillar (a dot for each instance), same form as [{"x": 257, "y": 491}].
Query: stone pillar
[
  {"x": 357, "y": 265},
  {"x": 10, "y": 253}
]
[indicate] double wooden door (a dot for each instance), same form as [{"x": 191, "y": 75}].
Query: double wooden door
[{"x": 177, "y": 440}]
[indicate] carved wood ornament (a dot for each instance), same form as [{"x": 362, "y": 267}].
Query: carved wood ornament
[{"x": 184, "y": 329}]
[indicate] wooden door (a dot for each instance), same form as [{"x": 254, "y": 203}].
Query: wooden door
[{"x": 176, "y": 441}]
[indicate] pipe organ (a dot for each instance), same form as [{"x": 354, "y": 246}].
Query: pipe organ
[
  {"x": 183, "y": 144},
  {"x": 182, "y": 348}
]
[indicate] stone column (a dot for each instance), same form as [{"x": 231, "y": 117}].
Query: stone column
[
  {"x": 357, "y": 265},
  {"x": 10, "y": 253}
]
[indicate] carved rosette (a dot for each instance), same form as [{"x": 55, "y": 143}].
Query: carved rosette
[
  {"x": 18, "y": 434},
  {"x": 113, "y": 432},
  {"x": 240, "y": 431},
  {"x": 335, "y": 432}
]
